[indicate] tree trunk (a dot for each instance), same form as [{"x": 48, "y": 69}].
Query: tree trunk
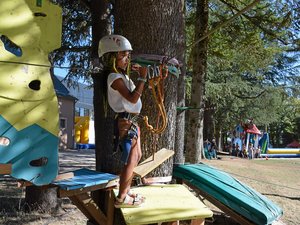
[
  {"x": 103, "y": 114},
  {"x": 181, "y": 93},
  {"x": 42, "y": 199},
  {"x": 180, "y": 120},
  {"x": 195, "y": 123},
  {"x": 154, "y": 27},
  {"x": 208, "y": 127}
]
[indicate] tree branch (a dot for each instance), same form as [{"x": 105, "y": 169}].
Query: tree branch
[
  {"x": 255, "y": 23},
  {"x": 240, "y": 12},
  {"x": 86, "y": 3},
  {"x": 249, "y": 97}
]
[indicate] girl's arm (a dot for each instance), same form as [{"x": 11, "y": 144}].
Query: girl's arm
[{"x": 133, "y": 96}]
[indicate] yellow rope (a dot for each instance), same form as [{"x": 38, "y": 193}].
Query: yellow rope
[{"x": 156, "y": 84}]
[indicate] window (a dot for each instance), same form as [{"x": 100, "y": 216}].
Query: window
[
  {"x": 63, "y": 123},
  {"x": 77, "y": 111},
  {"x": 86, "y": 112}
]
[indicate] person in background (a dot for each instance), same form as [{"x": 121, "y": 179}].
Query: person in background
[
  {"x": 207, "y": 147},
  {"x": 124, "y": 97},
  {"x": 257, "y": 152},
  {"x": 250, "y": 151},
  {"x": 213, "y": 149},
  {"x": 237, "y": 150},
  {"x": 233, "y": 150},
  {"x": 244, "y": 151}
]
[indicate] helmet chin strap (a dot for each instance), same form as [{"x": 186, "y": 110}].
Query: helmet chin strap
[
  {"x": 128, "y": 68},
  {"x": 115, "y": 69},
  {"x": 114, "y": 65}
]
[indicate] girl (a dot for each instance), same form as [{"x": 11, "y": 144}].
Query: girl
[{"x": 125, "y": 99}]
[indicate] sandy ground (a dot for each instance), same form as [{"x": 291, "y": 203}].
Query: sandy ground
[{"x": 278, "y": 179}]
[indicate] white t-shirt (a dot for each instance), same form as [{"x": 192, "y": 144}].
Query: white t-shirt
[{"x": 116, "y": 101}]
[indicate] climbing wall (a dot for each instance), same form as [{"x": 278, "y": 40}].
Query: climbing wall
[{"x": 29, "y": 30}]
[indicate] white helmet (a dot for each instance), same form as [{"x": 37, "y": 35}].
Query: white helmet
[{"x": 113, "y": 43}]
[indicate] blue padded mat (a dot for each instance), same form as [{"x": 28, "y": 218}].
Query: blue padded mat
[{"x": 85, "y": 178}]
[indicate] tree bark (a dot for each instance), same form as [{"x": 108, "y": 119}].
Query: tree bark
[
  {"x": 154, "y": 27},
  {"x": 181, "y": 93},
  {"x": 103, "y": 118},
  {"x": 195, "y": 118},
  {"x": 103, "y": 114},
  {"x": 42, "y": 199},
  {"x": 208, "y": 128}
]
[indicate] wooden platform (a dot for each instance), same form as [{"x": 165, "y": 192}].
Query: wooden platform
[
  {"x": 77, "y": 184},
  {"x": 166, "y": 203},
  {"x": 152, "y": 162},
  {"x": 5, "y": 169},
  {"x": 76, "y": 188}
]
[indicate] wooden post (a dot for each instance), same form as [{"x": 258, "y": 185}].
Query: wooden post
[
  {"x": 87, "y": 206},
  {"x": 198, "y": 222},
  {"x": 110, "y": 207}
]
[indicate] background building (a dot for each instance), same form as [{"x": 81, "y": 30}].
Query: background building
[
  {"x": 83, "y": 111},
  {"x": 66, "y": 104}
]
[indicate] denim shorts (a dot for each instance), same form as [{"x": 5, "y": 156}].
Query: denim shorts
[{"x": 126, "y": 142}]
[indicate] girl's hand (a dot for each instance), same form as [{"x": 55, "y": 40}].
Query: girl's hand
[
  {"x": 135, "y": 67},
  {"x": 143, "y": 72}
]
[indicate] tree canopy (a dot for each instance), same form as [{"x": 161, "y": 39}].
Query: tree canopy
[{"x": 253, "y": 64}]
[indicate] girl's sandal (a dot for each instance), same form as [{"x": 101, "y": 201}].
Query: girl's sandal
[
  {"x": 136, "y": 196},
  {"x": 128, "y": 202}
]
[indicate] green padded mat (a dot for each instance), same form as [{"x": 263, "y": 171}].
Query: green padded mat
[{"x": 231, "y": 192}]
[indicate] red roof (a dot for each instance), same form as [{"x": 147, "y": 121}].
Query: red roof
[
  {"x": 294, "y": 144},
  {"x": 252, "y": 129}
]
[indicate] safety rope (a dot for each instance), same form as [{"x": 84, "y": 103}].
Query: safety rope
[{"x": 156, "y": 75}]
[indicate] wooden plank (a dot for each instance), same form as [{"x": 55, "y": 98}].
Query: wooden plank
[
  {"x": 23, "y": 183},
  {"x": 89, "y": 208},
  {"x": 150, "y": 164},
  {"x": 156, "y": 180},
  {"x": 67, "y": 193},
  {"x": 234, "y": 215},
  {"x": 80, "y": 206},
  {"x": 5, "y": 169},
  {"x": 64, "y": 176}
]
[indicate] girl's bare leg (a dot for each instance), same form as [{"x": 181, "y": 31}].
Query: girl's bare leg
[{"x": 127, "y": 172}]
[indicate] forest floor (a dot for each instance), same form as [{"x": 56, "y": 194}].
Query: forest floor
[{"x": 277, "y": 179}]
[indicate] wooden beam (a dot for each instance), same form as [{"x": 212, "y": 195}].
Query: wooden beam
[
  {"x": 89, "y": 208},
  {"x": 150, "y": 164},
  {"x": 198, "y": 222},
  {"x": 5, "y": 169},
  {"x": 23, "y": 183},
  {"x": 171, "y": 223},
  {"x": 155, "y": 180},
  {"x": 110, "y": 207},
  {"x": 234, "y": 215}
]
